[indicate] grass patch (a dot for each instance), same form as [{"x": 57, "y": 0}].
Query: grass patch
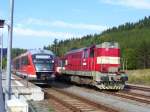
[
  {"x": 139, "y": 76},
  {"x": 51, "y": 109}
]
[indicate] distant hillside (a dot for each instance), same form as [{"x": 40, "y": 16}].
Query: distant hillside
[{"x": 134, "y": 40}]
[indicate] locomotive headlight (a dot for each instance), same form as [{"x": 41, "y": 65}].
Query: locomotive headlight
[
  {"x": 52, "y": 61},
  {"x": 112, "y": 46},
  {"x": 53, "y": 76}
]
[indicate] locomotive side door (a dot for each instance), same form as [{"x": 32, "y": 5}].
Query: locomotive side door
[
  {"x": 91, "y": 58},
  {"x": 84, "y": 61}
]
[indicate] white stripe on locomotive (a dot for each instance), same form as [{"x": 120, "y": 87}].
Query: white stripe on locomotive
[{"x": 108, "y": 60}]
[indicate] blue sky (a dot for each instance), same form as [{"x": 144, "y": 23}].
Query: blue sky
[{"x": 38, "y": 22}]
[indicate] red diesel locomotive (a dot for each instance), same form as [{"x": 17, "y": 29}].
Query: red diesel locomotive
[
  {"x": 97, "y": 65},
  {"x": 37, "y": 65}
]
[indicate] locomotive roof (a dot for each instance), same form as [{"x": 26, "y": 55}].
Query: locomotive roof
[
  {"x": 108, "y": 45},
  {"x": 102, "y": 45},
  {"x": 75, "y": 50},
  {"x": 37, "y": 51}
]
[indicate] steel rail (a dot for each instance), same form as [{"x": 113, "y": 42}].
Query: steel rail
[{"x": 76, "y": 103}]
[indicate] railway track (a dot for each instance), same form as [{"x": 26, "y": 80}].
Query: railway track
[
  {"x": 137, "y": 87},
  {"x": 75, "y": 103},
  {"x": 132, "y": 96},
  {"x": 128, "y": 94}
]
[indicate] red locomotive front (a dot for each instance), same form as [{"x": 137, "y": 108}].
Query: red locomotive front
[{"x": 98, "y": 65}]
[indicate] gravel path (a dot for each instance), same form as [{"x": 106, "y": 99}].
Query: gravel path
[
  {"x": 140, "y": 92},
  {"x": 40, "y": 106}
]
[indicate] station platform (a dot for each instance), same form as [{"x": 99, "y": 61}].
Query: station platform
[
  {"x": 22, "y": 92},
  {"x": 22, "y": 89}
]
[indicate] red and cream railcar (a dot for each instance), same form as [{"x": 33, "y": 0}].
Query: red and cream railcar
[
  {"x": 98, "y": 65},
  {"x": 35, "y": 65}
]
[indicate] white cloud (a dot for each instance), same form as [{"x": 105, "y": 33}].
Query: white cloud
[
  {"x": 79, "y": 26},
  {"x": 61, "y": 24},
  {"x": 43, "y": 33},
  {"x": 31, "y": 28},
  {"x": 138, "y": 4}
]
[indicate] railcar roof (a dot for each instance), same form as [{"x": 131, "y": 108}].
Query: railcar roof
[{"x": 37, "y": 51}]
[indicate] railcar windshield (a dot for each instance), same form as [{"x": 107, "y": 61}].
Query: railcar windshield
[{"x": 43, "y": 63}]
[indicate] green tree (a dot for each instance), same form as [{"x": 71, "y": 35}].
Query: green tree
[
  {"x": 129, "y": 54},
  {"x": 133, "y": 39},
  {"x": 143, "y": 54}
]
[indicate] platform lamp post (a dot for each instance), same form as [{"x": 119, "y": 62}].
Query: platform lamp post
[
  {"x": 9, "y": 49},
  {"x": 2, "y": 23},
  {"x": 2, "y": 52},
  {"x": 2, "y": 26}
]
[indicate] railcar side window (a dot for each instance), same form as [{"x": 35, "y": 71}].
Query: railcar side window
[
  {"x": 17, "y": 64},
  {"x": 25, "y": 60}
]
